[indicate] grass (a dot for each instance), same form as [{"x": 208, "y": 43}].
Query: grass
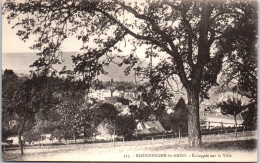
[
  {"x": 245, "y": 143},
  {"x": 241, "y": 145}
]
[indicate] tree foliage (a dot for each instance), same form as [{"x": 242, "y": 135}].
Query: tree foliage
[
  {"x": 10, "y": 83},
  {"x": 125, "y": 126},
  {"x": 240, "y": 44},
  {"x": 104, "y": 112},
  {"x": 232, "y": 107},
  {"x": 240, "y": 47},
  {"x": 116, "y": 124},
  {"x": 180, "y": 116},
  {"x": 71, "y": 108},
  {"x": 23, "y": 99},
  {"x": 176, "y": 121}
]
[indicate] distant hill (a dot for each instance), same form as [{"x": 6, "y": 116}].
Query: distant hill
[{"x": 20, "y": 62}]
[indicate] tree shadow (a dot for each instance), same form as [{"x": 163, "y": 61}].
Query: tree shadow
[{"x": 232, "y": 145}]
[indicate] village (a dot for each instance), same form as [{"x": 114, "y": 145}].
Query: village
[{"x": 210, "y": 120}]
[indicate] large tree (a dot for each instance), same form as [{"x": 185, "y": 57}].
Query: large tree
[
  {"x": 184, "y": 34},
  {"x": 24, "y": 99},
  {"x": 10, "y": 82}
]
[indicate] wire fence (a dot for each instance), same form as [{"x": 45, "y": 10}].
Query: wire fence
[
  {"x": 185, "y": 134},
  {"x": 227, "y": 133}
]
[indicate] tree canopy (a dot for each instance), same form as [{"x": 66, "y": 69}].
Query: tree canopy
[
  {"x": 232, "y": 107},
  {"x": 23, "y": 99}
]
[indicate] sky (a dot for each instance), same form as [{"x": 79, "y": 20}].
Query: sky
[
  {"x": 11, "y": 43},
  {"x": 22, "y": 56}
]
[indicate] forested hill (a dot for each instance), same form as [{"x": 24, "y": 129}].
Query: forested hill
[{"x": 20, "y": 62}]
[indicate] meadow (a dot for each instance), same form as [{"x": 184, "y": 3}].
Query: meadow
[{"x": 215, "y": 148}]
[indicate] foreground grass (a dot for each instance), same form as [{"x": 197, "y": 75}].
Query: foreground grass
[{"x": 175, "y": 149}]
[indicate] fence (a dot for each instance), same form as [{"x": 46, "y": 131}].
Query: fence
[
  {"x": 168, "y": 135},
  {"x": 203, "y": 132}
]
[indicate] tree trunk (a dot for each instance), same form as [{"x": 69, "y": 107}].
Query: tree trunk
[
  {"x": 20, "y": 132},
  {"x": 74, "y": 137},
  {"x": 114, "y": 132},
  {"x": 194, "y": 134},
  {"x": 74, "y": 132},
  {"x": 235, "y": 117},
  {"x": 85, "y": 134},
  {"x": 179, "y": 136}
]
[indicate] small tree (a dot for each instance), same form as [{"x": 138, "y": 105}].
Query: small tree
[
  {"x": 104, "y": 111},
  {"x": 232, "y": 107},
  {"x": 125, "y": 126},
  {"x": 180, "y": 116},
  {"x": 69, "y": 110},
  {"x": 31, "y": 136}
]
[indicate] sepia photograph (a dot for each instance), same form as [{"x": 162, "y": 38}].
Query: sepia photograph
[{"x": 129, "y": 80}]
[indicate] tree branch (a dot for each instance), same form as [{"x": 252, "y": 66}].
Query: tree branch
[
  {"x": 151, "y": 21},
  {"x": 111, "y": 44},
  {"x": 218, "y": 14},
  {"x": 190, "y": 35},
  {"x": 203, "y": 44},
  {"x": 142, "y": 37},
  {"x": 172, "y": 5}
]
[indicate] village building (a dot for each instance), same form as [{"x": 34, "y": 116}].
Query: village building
[
  {"x": 14, "y": 139},
  {"x": 212, "y": 119},
  {"x": 129, "y": 94},
  {"x": 100, "y": 94},
  {"x": 149, "y": 127},
  {"x": 117, "y": 93},
  {"x": 105, "y": 131}
]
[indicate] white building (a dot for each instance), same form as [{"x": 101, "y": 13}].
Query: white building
[
  {"x": 149, "y": 127},
  {"x": 14, "y": 139},
  {"x": 100, "y": 94},
  {"x": 117, "y": 93},
  {"x": 105, "y": 131},
  {"x": 216, "y": 119}
]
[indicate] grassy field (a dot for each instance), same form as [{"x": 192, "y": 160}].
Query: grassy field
[{"x": 215, "y": 148}]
